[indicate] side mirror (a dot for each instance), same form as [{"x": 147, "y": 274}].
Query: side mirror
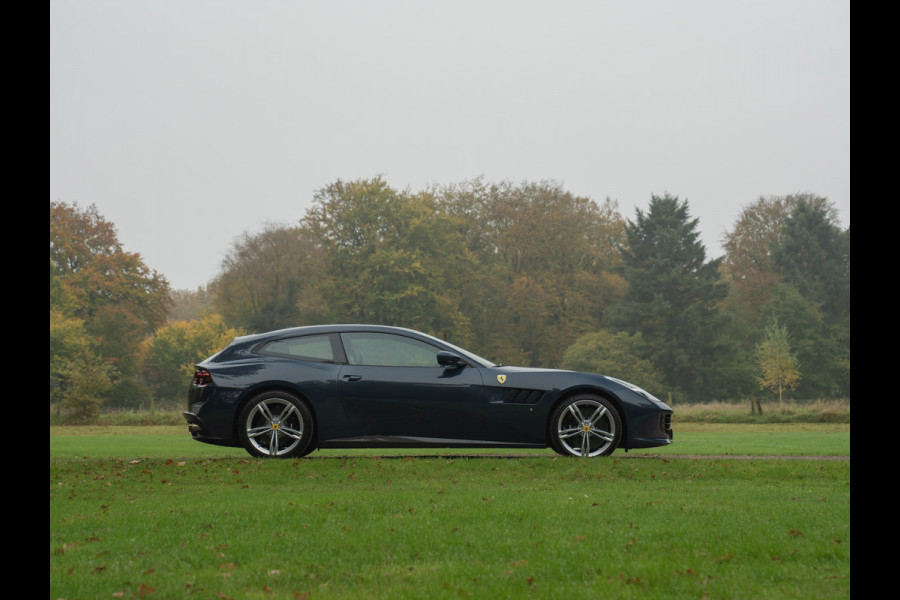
[{"x": 450, "y": 360}]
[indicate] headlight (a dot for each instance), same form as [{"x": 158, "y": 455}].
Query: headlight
[{"x": 635, "y": 389}]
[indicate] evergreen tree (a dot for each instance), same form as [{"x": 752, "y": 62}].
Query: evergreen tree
[
  {"x": 673, "y": 293},
  {"x": 813, "y": 258},
  {"x": 813, "y": 255},
  {"x": 789, "y": 260},
  {"x": 822, "y": 349}
]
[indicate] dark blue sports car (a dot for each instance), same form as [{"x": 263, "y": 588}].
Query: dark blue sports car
[{"x": 288, "y": 392}]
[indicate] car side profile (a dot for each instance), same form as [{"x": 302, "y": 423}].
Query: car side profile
[{"x": 286, "y": 393}]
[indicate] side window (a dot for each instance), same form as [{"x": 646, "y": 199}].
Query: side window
[
  {"x": 312, "y": 347},
  {"x": 388, "y": 350}
]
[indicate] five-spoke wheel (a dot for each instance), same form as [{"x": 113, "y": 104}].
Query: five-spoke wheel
[
  {"x": 585, "y": 425},
  {"x": 276, "y": 424}
]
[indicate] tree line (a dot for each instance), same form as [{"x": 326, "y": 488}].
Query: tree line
[{"x": 525, "y": 274}]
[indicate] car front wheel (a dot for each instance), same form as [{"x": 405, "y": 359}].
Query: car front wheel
[
  {"x": 276, "y": 424},
  {"x": 585, "y": 425}
]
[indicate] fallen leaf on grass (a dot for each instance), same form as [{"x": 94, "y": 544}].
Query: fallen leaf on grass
[
  {"x": 723, "y": 558},
  {"x": 66, "y": 547}
]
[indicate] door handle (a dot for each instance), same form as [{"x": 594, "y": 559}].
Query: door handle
[{"x": 352, "y": 377}]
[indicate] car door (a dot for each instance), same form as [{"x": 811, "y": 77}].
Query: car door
[{"x": 393, "y": 386}]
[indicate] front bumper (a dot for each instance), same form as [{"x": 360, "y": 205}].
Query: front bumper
[{"x": 651, "y": 432}]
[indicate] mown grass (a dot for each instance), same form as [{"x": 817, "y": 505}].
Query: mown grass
[
  {"x": 170, "y": 441},
  {"x": 789, "y": 411},
  {"x": 150, "y": 513}
]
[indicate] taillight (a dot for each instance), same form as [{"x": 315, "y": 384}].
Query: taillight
[{"x": 202, "y": 377}]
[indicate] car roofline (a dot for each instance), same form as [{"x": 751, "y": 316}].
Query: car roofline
[
  {"x": 324, "y": 329},
  {"x": 257, "y": 338}
]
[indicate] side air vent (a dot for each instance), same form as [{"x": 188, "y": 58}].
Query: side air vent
[
  {"x": 666, "y": 424},
  {"x": 516, "y": 396}
]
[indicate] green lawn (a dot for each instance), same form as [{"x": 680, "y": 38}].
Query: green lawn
[
  {"x": 690, "y": 439},
  {"x": 147, "y": 512}
]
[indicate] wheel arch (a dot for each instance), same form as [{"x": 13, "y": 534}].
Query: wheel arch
[
  {"x": 274, "y": 386},
  {"x": 596, "y": 391}
]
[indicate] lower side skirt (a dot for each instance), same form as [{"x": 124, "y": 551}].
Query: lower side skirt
[{"x": 394, "y": 441}]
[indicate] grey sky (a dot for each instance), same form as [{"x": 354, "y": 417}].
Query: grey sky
[{"x": 189, "y": 122}]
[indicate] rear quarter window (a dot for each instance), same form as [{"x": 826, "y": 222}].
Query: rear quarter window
[{"x": 310, "y": 347}]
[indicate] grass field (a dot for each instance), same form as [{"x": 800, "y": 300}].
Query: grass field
[{"x": 147, "y": 512}]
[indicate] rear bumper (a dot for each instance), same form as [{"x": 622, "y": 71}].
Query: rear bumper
[
  {"x": 206, "y": 421},
  {"x": 193, "y": 423}
]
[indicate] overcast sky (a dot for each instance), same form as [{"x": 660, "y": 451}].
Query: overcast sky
[{"x": 189, "y": 122}]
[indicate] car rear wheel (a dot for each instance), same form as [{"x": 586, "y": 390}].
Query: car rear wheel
[
  {"x": 585, "y": 425},
  {"x": 276, "y": 424}
]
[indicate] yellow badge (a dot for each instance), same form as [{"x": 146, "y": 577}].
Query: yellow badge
[{"x": 501, "y": 378}]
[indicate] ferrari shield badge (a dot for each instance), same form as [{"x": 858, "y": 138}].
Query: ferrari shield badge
[{"x": 501, "y": 378}]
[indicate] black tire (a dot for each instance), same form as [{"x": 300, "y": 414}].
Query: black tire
[
  {"x": 276, "y": 425},
  {"x": 585, "y": 425}
]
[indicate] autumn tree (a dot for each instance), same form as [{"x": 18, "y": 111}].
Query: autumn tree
[
  {"x": 760, "y": 229},
  {"x": 170, "y": 353},
  {"x": 546, "y": 262},
  {"x": 79, "y": 378},
  {"x": 777, "y": 364},
  {"x": 748, "y": 256},
  {"x": 100, "y": 275},
  {"x": 117, "y": 297},
  {"x": 392, "y": 257},
  {"x": 673, "y": 293},
  {"x": 270, "y": 280},
  {"x": 191, "y": 304},
  {"x": 78, "y": 375},
  {"x": 620, "y": 355}
]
